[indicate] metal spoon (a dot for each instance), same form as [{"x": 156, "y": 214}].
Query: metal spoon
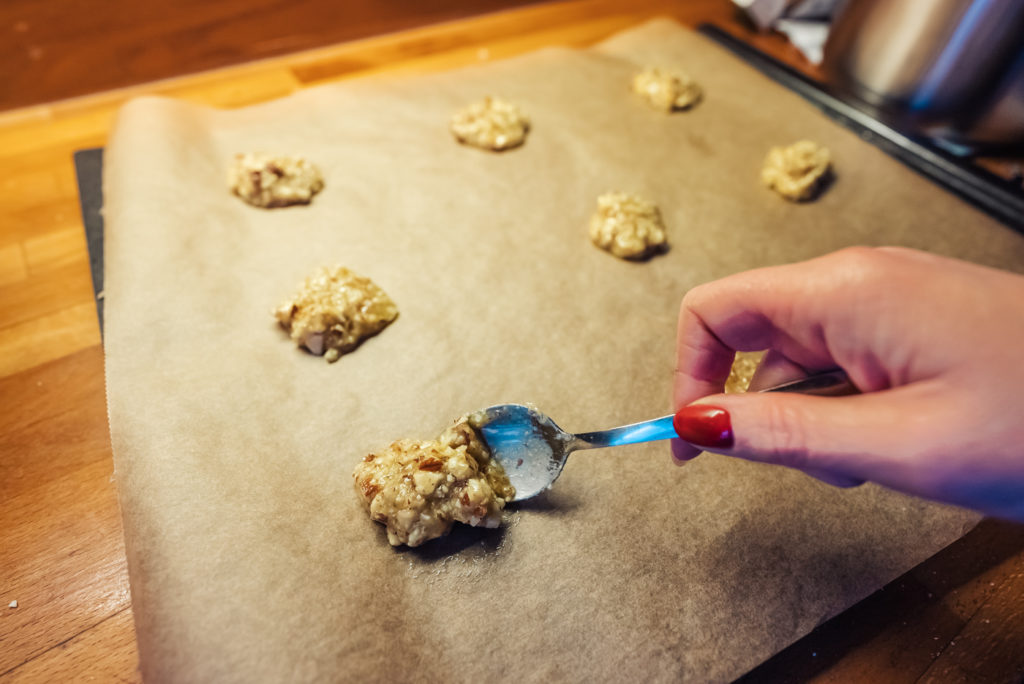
[{"x": 533, "y": 450}]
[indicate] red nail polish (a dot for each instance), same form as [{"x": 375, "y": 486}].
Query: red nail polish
[{"x": 703, "y": 425}]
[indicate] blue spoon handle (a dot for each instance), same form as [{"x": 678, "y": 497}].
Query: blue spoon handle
[{"x": 832, "y": 383}]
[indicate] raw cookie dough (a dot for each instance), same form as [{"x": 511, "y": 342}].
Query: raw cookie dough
[
  {"x": 491, "y": 124},
  {"x": 744, "y": 365},
  {"x": 268, "y": 181},
  {"x": 666, "y": 90},
  {"x": 797, "y": 172},
  {"x": 628, "y": 226},
  {"x": 334, "y": 310},
  {"x": 420, "y": 489}
]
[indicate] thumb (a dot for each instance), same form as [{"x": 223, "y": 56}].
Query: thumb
[{"x": 858, "y": 437}]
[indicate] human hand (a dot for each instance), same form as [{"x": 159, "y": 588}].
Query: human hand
[{"x": 935, "y": 345}]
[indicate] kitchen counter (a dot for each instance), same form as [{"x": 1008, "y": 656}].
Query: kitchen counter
[{"x": 957, "y": 617}]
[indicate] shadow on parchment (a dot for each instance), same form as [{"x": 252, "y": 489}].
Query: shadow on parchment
[
  {"x": 548, "y": 501},
  {"x": 984, "y": 547},
  {"x": 461, "y": 538},
  {"x": 489, "y": 541}
]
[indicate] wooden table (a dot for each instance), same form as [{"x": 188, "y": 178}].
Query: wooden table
[{"x": 957, "y": 617}]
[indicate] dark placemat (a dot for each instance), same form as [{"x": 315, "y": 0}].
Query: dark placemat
[{"x": 89, "y": 171}]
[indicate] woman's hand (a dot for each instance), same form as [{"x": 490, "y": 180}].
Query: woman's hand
[{"x": 935, "y": 345}]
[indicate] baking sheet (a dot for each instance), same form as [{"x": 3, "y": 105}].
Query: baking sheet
[{"x": 250, "y": 557}]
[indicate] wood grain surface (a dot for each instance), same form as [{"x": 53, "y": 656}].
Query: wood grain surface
[
  {"x": 957, "y": 617},
  {"x": 63, "y": 48}
]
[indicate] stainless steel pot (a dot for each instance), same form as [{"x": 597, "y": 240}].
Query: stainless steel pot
[{"x": 948, "y": 69}]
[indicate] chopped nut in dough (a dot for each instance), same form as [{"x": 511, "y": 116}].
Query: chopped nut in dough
[
  {"x": 334, "y": 310},
  {"x": 491, "y": 124},
  {"x": 628, "y": 226},
  {"x": 268, "y": 181},
  {"x": 419, "y": 489},
  {"x": 797, "y": 172},
  {"x": 666, "y": 90}
]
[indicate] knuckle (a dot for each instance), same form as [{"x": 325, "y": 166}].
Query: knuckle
[
  {"x": 857, "y": 253},
  {"x": 786, "y": 442},
  {"x": 693, "y": 297},
  {"x": 864, "y": 264}
]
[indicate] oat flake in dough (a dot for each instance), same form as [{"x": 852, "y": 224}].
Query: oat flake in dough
[
  {"x": 491, "y": 124},
  {"x": 420, "y": 489},
  {"x": 797, "y": 172},
  {"x": 269, "y": 181},
  {"x": 335, "y": 310},
  {"x": 628, "y": 226}
]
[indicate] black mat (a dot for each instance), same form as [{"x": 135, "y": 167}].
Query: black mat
[{"x": 89, "y": 171}]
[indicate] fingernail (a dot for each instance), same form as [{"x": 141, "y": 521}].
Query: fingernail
[{"x": 704, "y": 425}]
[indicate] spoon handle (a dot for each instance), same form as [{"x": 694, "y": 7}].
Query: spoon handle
[
  {"x": 831, "y": 383},
  {"x": 647, "y": 431}
]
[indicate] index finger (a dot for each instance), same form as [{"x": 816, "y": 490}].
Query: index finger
[{"x": 778, "y": 308}]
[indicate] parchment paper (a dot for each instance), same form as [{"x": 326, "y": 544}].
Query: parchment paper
[{"x": 251, "y": 559}]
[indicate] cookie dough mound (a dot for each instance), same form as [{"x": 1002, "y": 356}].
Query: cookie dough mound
[
  {"x": 744, "y": 366},
  {"x": 420, "y": 489},
  {"x": 334, "y": 311},
  {"x": 268, "y": 181},
  {"x": 628, "y": 226},
  {"x": 666, "y": 90},
  {"x": 797, "y": 172},
  {"x": 491, "y": 124}
]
